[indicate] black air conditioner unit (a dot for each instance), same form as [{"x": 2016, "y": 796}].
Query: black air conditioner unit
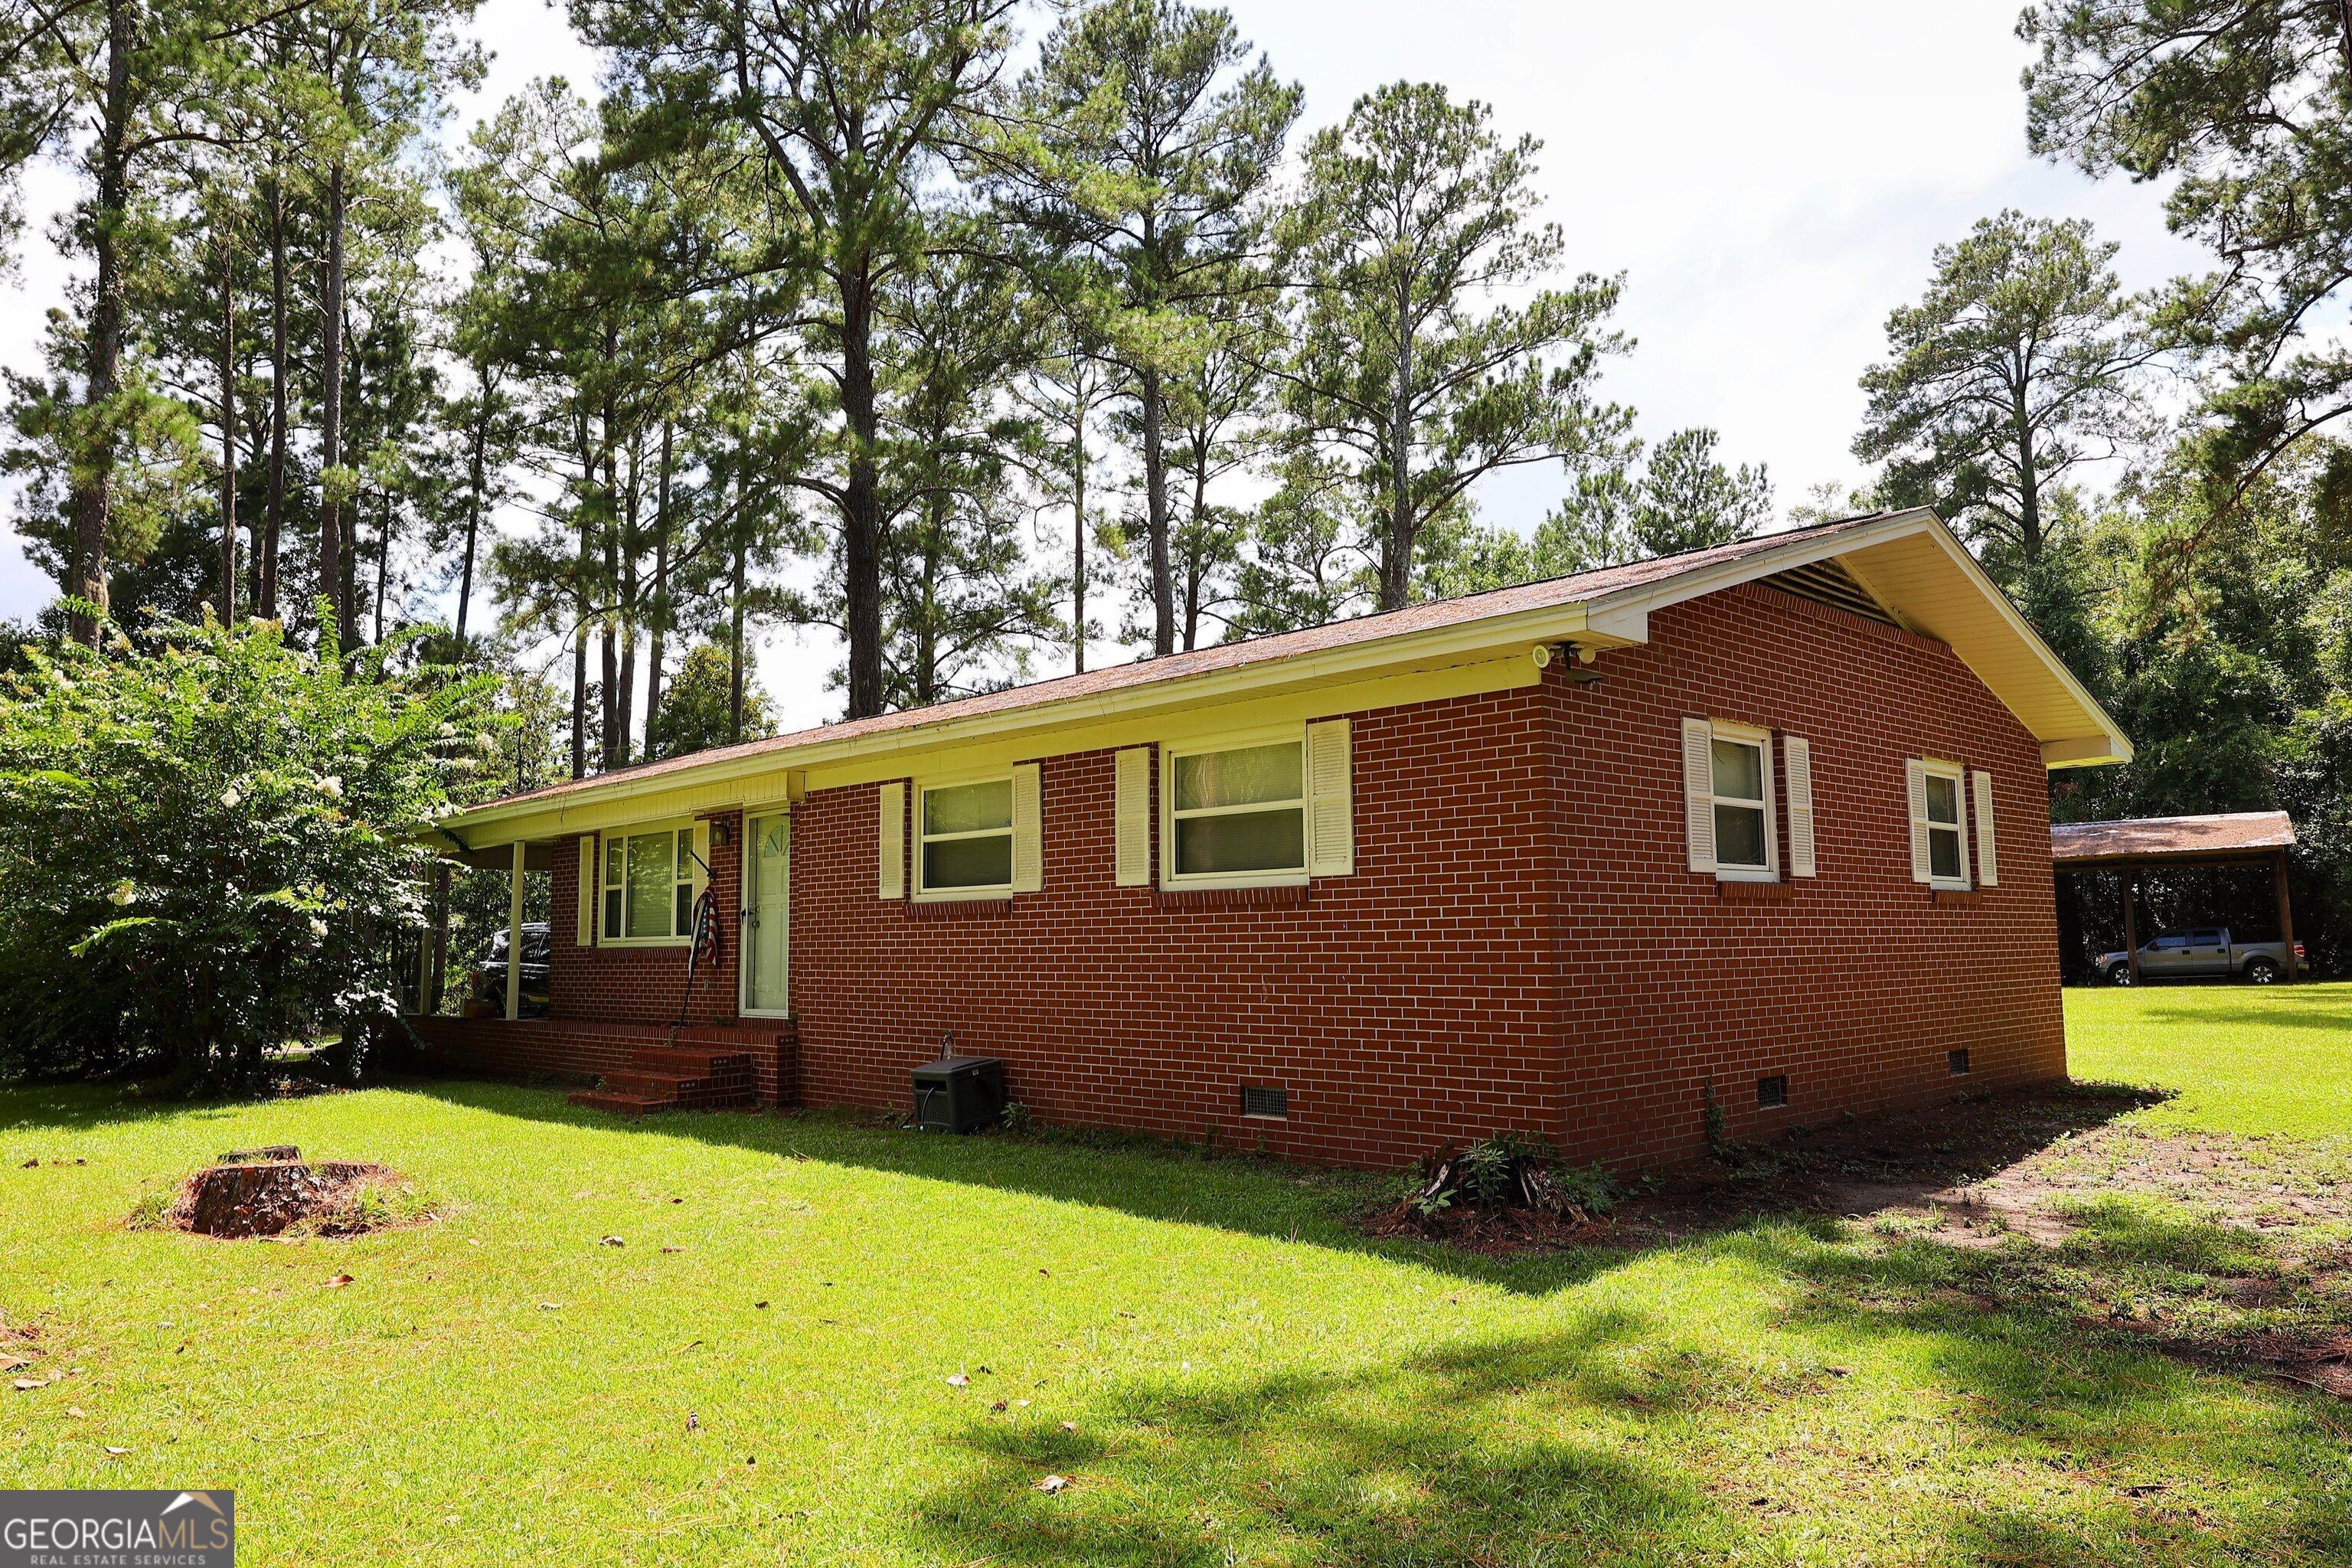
[{"x": 959, "y": 1094}]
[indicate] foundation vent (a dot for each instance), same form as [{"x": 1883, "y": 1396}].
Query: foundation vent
[
  {"x": 1957, "y": 1061},
  {"x": 1771, "y": 1091},
  {"x": 1265, "y": 1101}
]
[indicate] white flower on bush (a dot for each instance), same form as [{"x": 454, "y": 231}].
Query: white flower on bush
[
  {"x": 318, "y": 926},
  {"x": 229, "y": 797},
  {"x": 332, "y": 786},
  {"x": 449, "y": 732},
  {"x": 125, "y": 894},
  {"x": 487, "y": 742}
]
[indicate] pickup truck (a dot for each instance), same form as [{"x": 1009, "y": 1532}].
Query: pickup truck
[{"x": 2207, "y": 952}]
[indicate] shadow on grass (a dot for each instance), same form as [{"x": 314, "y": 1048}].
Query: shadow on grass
[
  {"x": 2026, "y": 1437},
  {"x": 2274, "y": 1007},
  {"x": 1148, "y": 1178}
]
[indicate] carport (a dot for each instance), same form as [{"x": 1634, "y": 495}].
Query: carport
[{"x": 2140, "y": 844}]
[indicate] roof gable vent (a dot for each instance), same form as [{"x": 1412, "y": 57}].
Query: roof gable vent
[{"x": 1829, "y": 582}]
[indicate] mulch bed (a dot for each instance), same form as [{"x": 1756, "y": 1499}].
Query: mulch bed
[{"x": 1493, "y": 1232}]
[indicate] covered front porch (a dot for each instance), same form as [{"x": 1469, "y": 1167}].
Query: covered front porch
[{"x": 662, "y": 962}]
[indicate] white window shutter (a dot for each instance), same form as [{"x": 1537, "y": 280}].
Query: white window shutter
[
  {"x": 1988, "y": 862},
  {"x": 893, "y": 841},
  {"x": 1330, "y": 805},
  {"x": 701, "y": 858},
  {"x": 1132, "y": 817},
  {"x": 1797, "y": 761},
  {"x": 1028, "y": 846},
  {"x": 1698, "y": 793},
  {"x": 591, "y": 883},
  {"x": 1915, "y": 775}
]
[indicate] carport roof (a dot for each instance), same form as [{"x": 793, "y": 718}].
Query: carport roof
[{"x": 2235, "y": 835}]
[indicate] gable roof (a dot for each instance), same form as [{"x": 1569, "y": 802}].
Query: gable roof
[{"x": 1909, "y": 563}]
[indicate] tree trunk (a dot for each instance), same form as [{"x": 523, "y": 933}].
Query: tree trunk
[
  {"x": 331, "y": 424},
  {"x": 1155, "y": 490},
  {"x": 735, "y": 637},
  {"x": 580, "y": 702},
  {"x": 1079, "y": 402},
  {"x": 1196, "y": 569},
  {"x": 2029, "y": 484},
  {"x": 228, "y": 428},
  {"x": 1396, "y": 559},
  {"x": 383, "y": 564},
  {"x": 93, "y": 486},
  {"x": 274, "y": 510},
  {"x": 861, "y": 540},
  {"x": 477, "y": 462},
  {"x": 660, "y": 616}
]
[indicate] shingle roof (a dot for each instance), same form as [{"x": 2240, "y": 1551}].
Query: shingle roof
[
  {"x": 1549, "y": 593},
  {"x": 2162, "y": 837}
]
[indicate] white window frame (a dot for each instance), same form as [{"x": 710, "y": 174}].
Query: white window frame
[
  {"x": 1748, "y": 735},
  {"x": 920, "y": 787},
  {"x": 673, "y": 827},
  {"x": 1169, "y": 751},
  {"x": 1930, "y": 768}
]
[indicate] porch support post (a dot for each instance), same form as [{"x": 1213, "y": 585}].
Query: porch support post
[
  {"x": 440, "y": 978},
  {"x": 2131, "y": 918},
  {"x": 2285, "y": 913},
  {"x": 514, "y": 937},
  {"x": 424, "y": 952}
]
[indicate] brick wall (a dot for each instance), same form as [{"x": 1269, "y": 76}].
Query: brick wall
[
  {"x": 643, "y": 984},
  {"x": 1520, "y": 947},
  {"x": 1859, "y": 984}
]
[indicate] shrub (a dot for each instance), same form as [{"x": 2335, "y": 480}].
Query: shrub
[{"x": 213, "y": 844}]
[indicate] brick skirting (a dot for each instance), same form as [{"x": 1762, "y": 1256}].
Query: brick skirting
[{"x": 573, "y": 1048}]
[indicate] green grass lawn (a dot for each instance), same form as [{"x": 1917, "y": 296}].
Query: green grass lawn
[
  {"x": 1226, "y": 1370},
  {"x": 2242, "y": 1059}
]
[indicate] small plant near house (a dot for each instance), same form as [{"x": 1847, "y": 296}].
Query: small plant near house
[{"x": 1507, "y": 1190}]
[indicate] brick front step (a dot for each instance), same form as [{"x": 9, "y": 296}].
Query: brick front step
[{"x": 662, "y": 1077}]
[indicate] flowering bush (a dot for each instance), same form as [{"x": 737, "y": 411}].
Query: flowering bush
[{"x": 214, "y": 847}]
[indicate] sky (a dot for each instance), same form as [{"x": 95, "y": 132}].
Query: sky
[{"x": 1770, "y": 180}]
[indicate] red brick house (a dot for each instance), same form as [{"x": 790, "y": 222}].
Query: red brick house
[{"x": 1765, "y": 822}]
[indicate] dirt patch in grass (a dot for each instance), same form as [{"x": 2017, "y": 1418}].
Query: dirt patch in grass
[
  {"x": 2227, "y": 1251},
  {"x": 286, "y": 1198}
]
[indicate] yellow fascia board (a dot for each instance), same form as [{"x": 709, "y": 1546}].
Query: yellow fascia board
[{"x": 1085, "y": 725}]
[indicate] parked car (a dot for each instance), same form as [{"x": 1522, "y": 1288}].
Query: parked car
[
  {"x": 2207, "y": 952},
  {"x": 490, "y": 973}
]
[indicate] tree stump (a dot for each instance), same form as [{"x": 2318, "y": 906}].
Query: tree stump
[{"x": 265, "y": 1198}]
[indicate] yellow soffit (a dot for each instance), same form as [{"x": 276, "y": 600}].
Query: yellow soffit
[
  {"x": 788, "y": 775},
  {"x": 1927, "y": 580}
]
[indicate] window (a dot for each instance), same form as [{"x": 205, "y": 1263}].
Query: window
[
  {"x": 1238, "y": 814},
  {"x": 966, "y": 838},
  {"x": 1743, "y": 820},
  {"x": 1944, "y": 860},
  {"x": 1940, "y": 822},
  {"x": 649, "y": 883},
  {"x": 1727, "y": 789}
]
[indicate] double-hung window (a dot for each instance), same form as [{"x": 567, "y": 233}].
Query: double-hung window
[
  {"x": 1236, "y": 813},
  {"x": 1939, "y": 824},
  {"x": 649, "y": 881},
  {"x": 1727, "y": 794},
  {"x": 966, "y": 838}
]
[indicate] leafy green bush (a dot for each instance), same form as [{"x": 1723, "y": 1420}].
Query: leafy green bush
[{"x": 214, "y": 846}]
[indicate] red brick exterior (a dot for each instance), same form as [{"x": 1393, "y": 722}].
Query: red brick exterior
[{"x": 1520, "y": 946}]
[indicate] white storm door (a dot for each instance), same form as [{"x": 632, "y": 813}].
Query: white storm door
[{"x": 766, "y": 904}]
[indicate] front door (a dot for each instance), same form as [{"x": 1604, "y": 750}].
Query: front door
[{"x": 766, "y": 902}]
